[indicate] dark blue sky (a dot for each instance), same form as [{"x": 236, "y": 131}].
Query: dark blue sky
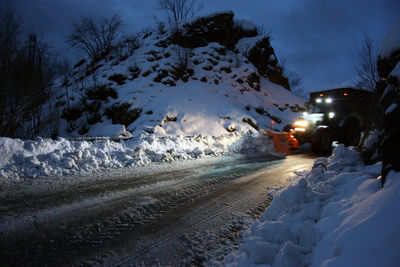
[{"x": 319, "y": 39}]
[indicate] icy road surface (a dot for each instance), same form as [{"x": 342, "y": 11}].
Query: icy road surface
[{"x": 179, "y": 214}]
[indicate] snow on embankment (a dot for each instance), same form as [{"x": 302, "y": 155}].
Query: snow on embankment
[
  {"x": 337, "y": 216},
  {"x": 45, "y": 157},
  {"x": 213, "y": 76}
]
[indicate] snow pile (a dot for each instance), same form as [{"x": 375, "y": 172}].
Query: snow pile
[
  {"x": 44, "y": 157},
  {"x": 390, "y": 45},
  {"x": 391, "y": 41},
  {"x": 337, "y": 216}
]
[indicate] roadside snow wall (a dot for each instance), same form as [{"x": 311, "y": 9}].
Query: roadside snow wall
[
  {"x": 45, "y": 157},
  {"x": 337, "y": 216}
]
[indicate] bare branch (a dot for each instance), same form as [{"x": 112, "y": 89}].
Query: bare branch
[
  {"x": 367, "y": 71},
  {"x": 178, "y": 10},
  {"x": 95, "y": 37}
]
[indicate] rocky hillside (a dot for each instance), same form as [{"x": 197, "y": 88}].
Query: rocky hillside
[{"x": 212, "y": 76}]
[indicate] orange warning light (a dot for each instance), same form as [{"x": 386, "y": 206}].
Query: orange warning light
[
  {"x": 345, "y": 94},
  {"x": 321, "y": 94}
]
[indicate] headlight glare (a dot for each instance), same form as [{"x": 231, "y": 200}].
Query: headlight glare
[
  {"x": 301, "y": 123},
  {"x": 299, "y": 129}
]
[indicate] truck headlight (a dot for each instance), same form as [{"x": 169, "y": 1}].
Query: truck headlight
[
  {"x": 318, "y": 100},
  {"x": 328, "y": 100},
  {"x": 301, "y": 123},
  {"x": 331, "y": 115},
  {"x": 297, "y": 129}
]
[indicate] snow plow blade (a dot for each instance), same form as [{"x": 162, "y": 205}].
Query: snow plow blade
[{"x": 283, "y": 142}]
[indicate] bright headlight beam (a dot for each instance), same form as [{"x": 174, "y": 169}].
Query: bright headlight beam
[
  {"x": 301, "y": 123},
  {"x": 331, "y": 115},
  {"x": 328, "y": 100},
  {"x": 299, "y": 129},
  {"x": 318, "y": 100}
]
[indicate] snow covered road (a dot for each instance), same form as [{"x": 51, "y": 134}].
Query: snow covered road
[{"x": 180, "y": 213}]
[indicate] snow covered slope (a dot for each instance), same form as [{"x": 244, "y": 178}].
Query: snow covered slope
[
  {"x": 204, "y": 90},
  {"x": 159, "y": 86}
]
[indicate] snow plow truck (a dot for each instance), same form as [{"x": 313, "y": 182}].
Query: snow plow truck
[{"x": 334, "y": 115}]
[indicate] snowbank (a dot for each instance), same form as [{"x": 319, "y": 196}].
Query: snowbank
[
  {"x": 391, "y": 41},
  {"x": 337, "y": 216},
  {"x": 44, "y": 157}
]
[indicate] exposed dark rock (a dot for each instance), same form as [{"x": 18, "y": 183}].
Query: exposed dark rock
[
  {"x": 230, "y": 129},
  {"x": 162, "y": 43},
  {"x": 122, "y": 114},
  {"x": 260, "y": 110},
  {"x": 80, "y": 63},
  {"x": 102, "y": 93},
  {"x": 92, "y": 69},
  {"x": 251, "y": 123},
  {"x": 297, "y": 108},
  {"x": 219, "y": 27},
  {"x": 226, "y": 69},
  {"x": 167, "y": 119},
  {"x": 386, "y": 65},
  {"x": 208, "y": 68},
  {"x": 161, "y": 74},
  {"x": 169, "y": 82},
  {"x": 118, "y": 78},
  {"x": 94, "y": 106},
  {"x": 72, "y": 114},
  {"x": 276, "y": 119},
  {"x": 135, "y": 72},
  {"x": 254, "y": 81},
  {"x": 83, "y": 130},
  {"x": 94, "y": 118},
  {"x": 147, "y": 73},
  {"x": 263, "y": 57}
]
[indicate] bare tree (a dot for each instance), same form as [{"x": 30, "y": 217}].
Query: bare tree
[
  {"x": 95, "y": 37},
  {"x": 367, "y": 70},
  {"x": 295, "y": 80},
  {"x": 10, "y": 27},
  {"x": 178, "y": 10},
  {"x": 367, "y": 78},
  {"x": 36, "y": 67}
]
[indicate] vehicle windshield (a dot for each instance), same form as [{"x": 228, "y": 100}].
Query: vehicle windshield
[
  {"x": 337, "y": 105},
  {"x": 321, "y": 108}
]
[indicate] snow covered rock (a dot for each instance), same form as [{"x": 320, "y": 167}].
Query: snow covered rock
[
  {"x": 388, "y": 111},
  {"x": 263, "y": 57},
  {"x": 218, "y": 27},
  {"x": 214, "y": 76}
]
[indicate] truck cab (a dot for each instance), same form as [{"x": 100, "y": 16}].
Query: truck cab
[{"x": 336, "y": 114}]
